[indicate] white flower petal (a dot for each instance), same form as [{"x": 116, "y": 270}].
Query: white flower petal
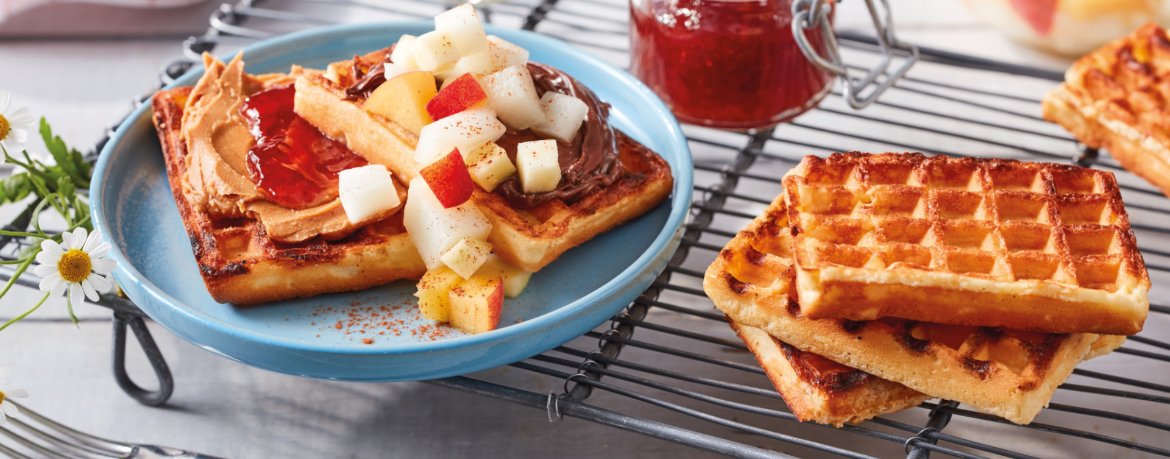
[
  {"x": 75, "y": 295},
  {"x": 102, "y": 250},
  {"x": 95, "y": 238},
  {"x": 17, "y": 393},
  {"x": 44, "y": 270},
  {"x": 50, "y": 283},
  {"x": 59, "y": 287},
  {"x": 89, "y": 291},
  {"x": 46, "y": 258},
  {"x": 66, "y": 241},
  {"x": 4, "y": 99},
  {"x": 4, "y": 372},
  {"x": 12, "y": 145},
  {"x": 99, "y": 282},
  {"x": 103, "y": 265},
  {"x": 18, "y": 113},
  {"x": 3, "y": 384},
  {"x": 19, "y": 135},
  {"x": 52, "y": 247},
  {"x": 79, "y": 235},
  {"x": 8, "y": 408}
]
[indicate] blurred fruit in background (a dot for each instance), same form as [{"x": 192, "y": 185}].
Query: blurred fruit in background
[{"x": 1069, "y": 27}]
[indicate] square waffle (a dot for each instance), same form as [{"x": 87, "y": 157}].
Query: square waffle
[
  {"x": 982, "y": 242},
  {"x": 1116, "y": 98},
  {"x": 1005, "y": 372},
  {"x": 529, "y": 239},
  {"x": 240, "y": 264}
]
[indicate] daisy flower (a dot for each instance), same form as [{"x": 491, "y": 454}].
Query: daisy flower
[
  {"x": 7, "y": 408},
  {"x": 78, "y": 263},
  {"x": 14, "y": 125}
]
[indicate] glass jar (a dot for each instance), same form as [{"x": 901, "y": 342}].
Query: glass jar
[{"x": 730, "y": 64}]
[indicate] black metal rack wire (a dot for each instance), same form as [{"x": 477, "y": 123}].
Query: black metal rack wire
[{"x": 685, "y": 360}]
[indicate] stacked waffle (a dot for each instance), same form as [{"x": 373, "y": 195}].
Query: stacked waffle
[{"x": 875, "y": 282}]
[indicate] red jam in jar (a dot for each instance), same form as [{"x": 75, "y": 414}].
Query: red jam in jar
[
  {"x": 730, "y": 64},
  {"x": 292, "y": 162}
]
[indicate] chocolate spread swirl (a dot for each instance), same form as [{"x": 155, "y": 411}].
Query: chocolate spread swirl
[
  {"x": 367, "y": 82},
  {"x": 590, "y": 162}
]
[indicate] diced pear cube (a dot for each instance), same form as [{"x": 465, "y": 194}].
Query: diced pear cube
[
  {"x": 434, "y": 51},
  {"x": 467, "y": 256},
  {"x": 402, "y": 54},
  {"x": 434, "y": 301},
  {"x": 391, "y": 70},
  {"x": 466, "y": 31},
  {"x": 367, "y": 193},
  {"x": 466, "y": 130},
  {"x": 538, "y": 162},
  {"x": 435, "y": 229},
  {"x": 490, "y": 165},
  {"x": 563, "y": 115},
  {"x": 478, "y": 63},
  {"x": 512, "y": 94},
  {"x": 515, "y": 279},
  {"x": 506, "y": 54}
]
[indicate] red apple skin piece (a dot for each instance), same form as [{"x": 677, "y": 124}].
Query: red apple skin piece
[
  {"x": 462, "y": 94},
  {"x": 449, "y": 179},
  {"x": 1038, "y": 13},
  {"x": 476, "y": 304}
]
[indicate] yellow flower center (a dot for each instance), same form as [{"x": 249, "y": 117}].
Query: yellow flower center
[
  {"x": 5, "y": 127},
  {"x": 74, "y": 266},
  {"x": 1, "y": 397}
]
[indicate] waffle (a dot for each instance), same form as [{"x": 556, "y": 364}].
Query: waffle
[
  {"x": 529, "y": 239},
  {"x": 1116, "y": 98},
  {"x": 240, "y": 264},
  {"x": 1008, "y": 373},
  {"x": 982, "y": 242}
]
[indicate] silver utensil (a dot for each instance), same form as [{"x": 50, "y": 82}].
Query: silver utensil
[{"x": 56, "y": 441}]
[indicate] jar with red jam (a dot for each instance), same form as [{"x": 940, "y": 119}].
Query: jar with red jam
[{"x": 729, "y": 64}]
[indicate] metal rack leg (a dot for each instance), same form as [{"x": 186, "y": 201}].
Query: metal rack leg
[
  {"x": 166, "y": 383},
  {"x": 939, "y": 417}
]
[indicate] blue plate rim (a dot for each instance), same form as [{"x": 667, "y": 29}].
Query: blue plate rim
[{"x": 680, "y": 203}]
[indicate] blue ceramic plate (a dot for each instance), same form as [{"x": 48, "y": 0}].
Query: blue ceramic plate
[{"x": 323, "y": 336}]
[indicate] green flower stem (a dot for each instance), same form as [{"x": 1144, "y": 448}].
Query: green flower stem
[
  {"x": 26, "y": 313},
  {"x": 19, "y": 271},
  {"x": 20, "y": 234}
]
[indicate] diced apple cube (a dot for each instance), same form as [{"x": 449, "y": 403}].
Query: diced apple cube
[
  {"x": 512, "y": 95},
  {"x": 515, "y": 279},
  {"x": 448, "y": 179},
  {"x": 433, "y": 292},
  {"x": 367, "y": 193},
  {"x": 476, "y": 304},
  {"x": 403, "y": 100},
  {"x": 434, "y": 51},
  {"x": 434, "y": 228},
  {"x": 563, "y": 115},
  {"x": 538, "y": 162},
  {"x": 506, "y": 54},
  {"x": 490, "y": 165},
  {"x": 462, "y": 23},
  {"x": 467, "y": 256},
  {"x": 462, "y": 94},
  {"x": 402, "y": 54},
  {"x": 465, "y": 130}
]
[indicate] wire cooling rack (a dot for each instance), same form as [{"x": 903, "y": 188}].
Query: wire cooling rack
[{"x": 685, "y": 359}]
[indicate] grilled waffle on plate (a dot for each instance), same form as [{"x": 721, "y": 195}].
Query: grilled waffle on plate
[
  {"x": 1116, "y": 98},
  {"x": 529, "y": 239},
  {"x": 984, "y": 242},
  {"x": 1009, "y": 373},
  {"x": 238, "y": 260}
]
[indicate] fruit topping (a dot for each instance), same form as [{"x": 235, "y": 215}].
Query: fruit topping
[
  {"x": 490, "y": 165},
  {"x": 433, "y": 289},
  {"x": 515, "y": 279},
  {"x": 513, "y": 96},
  {"x": 434, "y": 228},
  {"x": 476, "y": 304},
  {"x": 402, "y": 54},
  {"x": 449, "y": 180},
  {"x": 538, "y": 162},
  {"x": 367, "y": 193},
  {"x": 292, "y": 162},
  {"x": 467, "y": 256},
  {"x": 434, "y": 51},
  {"x": 462, "y": 24},
  {"x": 403, "y": 100},
  {"x": 391, "y": 70},
  {"x": 466, "y": 131},
  {"x": 461, "y": 94},
  {"x": 563, "y": 115}
]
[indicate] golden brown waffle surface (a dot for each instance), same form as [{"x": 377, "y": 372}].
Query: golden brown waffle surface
[
  {"x": 981, "y": 242},
  {"x": 1116, "y": 98},
  {"x": 1009, "y": 373},
  {"x": 240, "y": 264}
]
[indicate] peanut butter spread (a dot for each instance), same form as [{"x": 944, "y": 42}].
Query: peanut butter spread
[{"x": 218, "y": 140}]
